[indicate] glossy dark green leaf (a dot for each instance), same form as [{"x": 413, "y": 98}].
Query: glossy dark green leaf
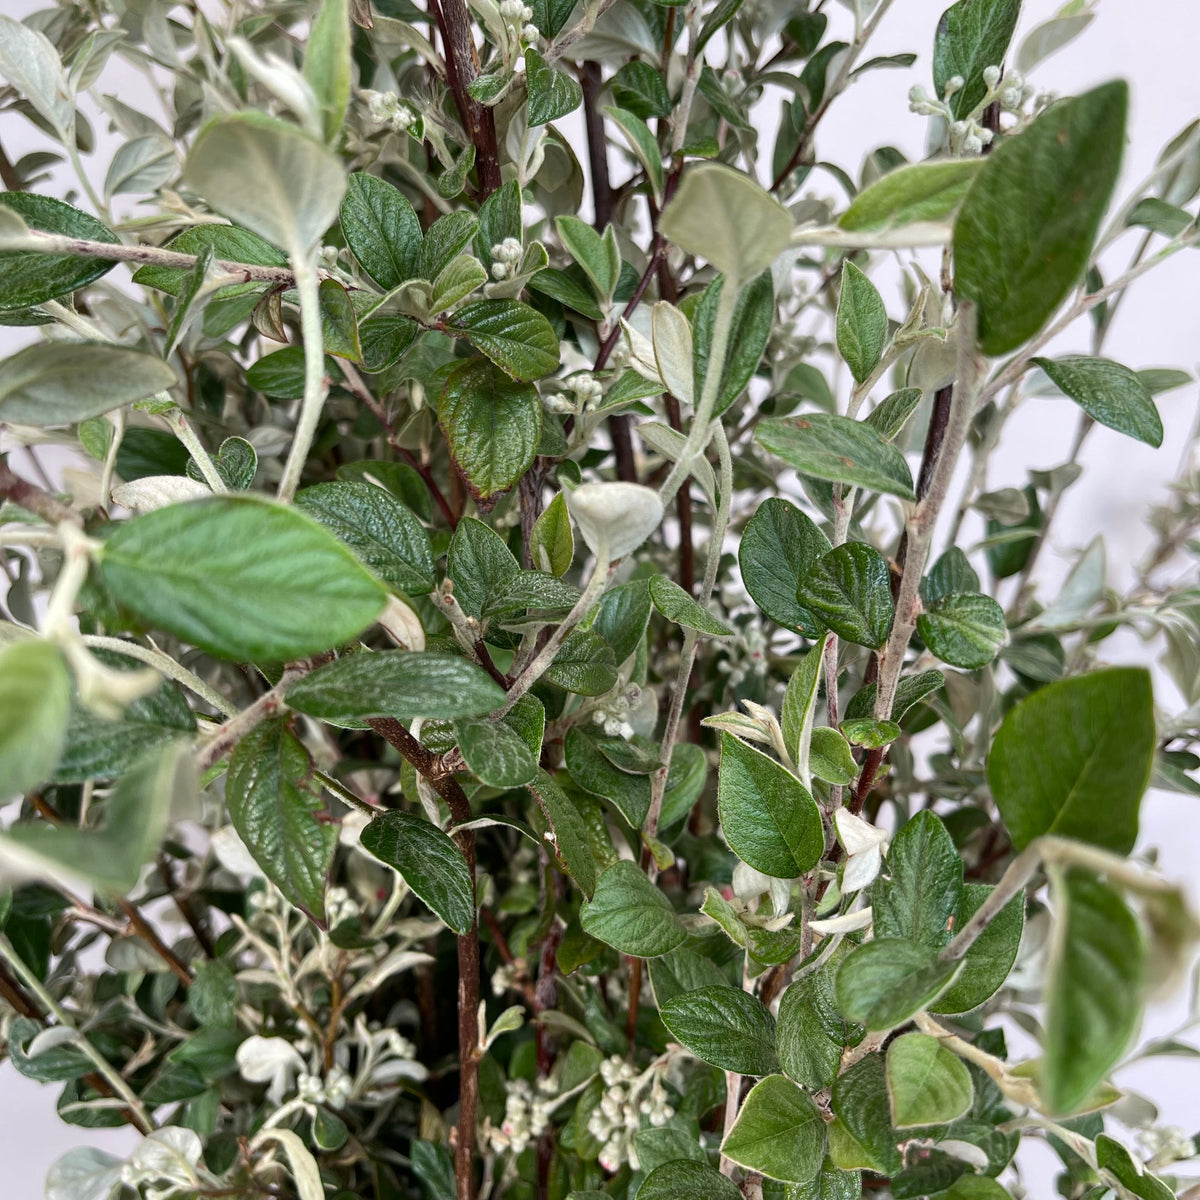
[
  {"x": 990, "y": 958},
  {"x": 724, "y": 1026},
  {"x": 640, "y": 89},
  {"x": 768, "y": 817},
  {"x": 778, "y": 548},
  {"x": 385, "y": 340},
  {"x": 838, "y": 449},
  {"x": 339, "y": 325},
  {"x": 695, "y": 1180},
  {"x": 1026, "y": 228},
  {"x": 951, "y": 573},
  {"x": 379, "y": 529},
  {"x": 236, "y": 462},
  {"x": 1074, "y": 759},
  {"x": 395, "y": 683},
  {"x": 778, "y": 1133},
  {"x": 677, "y": 605},
  {"x": 552, "y": 94},
  {"x": 278, "y": 813},
  {"x": 492, "y": 426},
  {"x": 964, "y": 629},
  {"x": 622, "y": 616},
  {"x": 860, "y": 1100},
  {"x": 228, "y": 243},
  {"x": 630, "y": 914},
  {"x": 909, "y": 691},
  {"x": 517, "y": 338},
  {"x": 596, "y": 774},
  {"x": 570, "y": 832},
  {"x": 480, "y": 566},
  {"x": 28, "y": 278},
  {"x": 552, "y": 543},
  {"x": 585, "y": 664},
  {"x": 849, "y": 590},
  {"x": 428, "y": 861},
  {"x": 812, "y": 1032},
  {"x": 1109, "y": 393},
  {"x": 862, "y": 324},
  {"x": 1130, "y": 1172},
  {"x": 884, "y": 982},
  {"x": 381, "y": 229},
  {"x": 922, "y": 888},
  {"x": 971, "y": 35},
  {"x": 494, "y": 754},
  {"x": 241, "y": 578},
  {"x": 444, "y": 241},
  {"x": 1093, "y": 988},
  {"x": 753, "y": 317}
]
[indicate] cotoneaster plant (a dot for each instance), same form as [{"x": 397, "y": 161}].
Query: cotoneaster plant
[{"x": 514, "y": 682}]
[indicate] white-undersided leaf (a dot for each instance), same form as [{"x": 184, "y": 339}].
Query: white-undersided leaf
[
  {"x": 241, "y": 577},
  {"x": 670, "y": 443},
  {"x": 673, "y": 352},
  {"x": 929, "y": 191},
  {"x": 31, "y": 64},
  {"x": 927, "y": 1084},
  {"x": 35, "y": 706},
  {"x": 428, "y": 861},
  {"x": 327, "y": 64},
  {"x": 268, "y": 177},
  {"x": 57, "y": 383},
  {"x": 84, "y": 1173},
  {"x": 629, "y": 913},
  {"x": 727, "y": 218},
  {"x": 778, "y": 1133},
  {"x": 157, "y": 491},
  {"x": 616, "y": 516},
  {"x": 280, "y": 815},
  {"x": 305, "y": 1172}
]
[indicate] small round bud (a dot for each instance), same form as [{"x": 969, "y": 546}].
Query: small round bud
[
  {"x": 917, "y": 94},
  {"x": 955, "y": 83},
  {"x": 972, "y": 144},
  {"x": 991, "y": 76}
]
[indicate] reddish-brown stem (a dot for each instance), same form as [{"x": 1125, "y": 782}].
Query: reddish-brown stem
[
  {"x": 149, "y": 934},
  {"x": 186, "y": 909},
  {"x": 37, "y": 500}
]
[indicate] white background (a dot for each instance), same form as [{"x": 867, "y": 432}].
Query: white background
[{"x": 1152, "y": 43}]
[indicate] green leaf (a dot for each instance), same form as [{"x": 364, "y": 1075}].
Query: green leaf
[
  {"x": 598, "y": 256},
  {"x": 849, "y": 590},
  {"x": 891, "y": 414},
  {"x": 753, "y": 318},
  {"x": 1109, "y": 393},
  {"x": 492, "y": 426},
  {"x": 278, "y": 814},
  {"x": 778, "y": 1133},
  {"x": 726, "y": 217},
  {"x": 1093, "y": 988},
  {"x": 517, "y": 338},
  {"x": 644, "y": 146},
  {"x": 668, "y": 1143},
  {"x": 697, "y": 1181},
  {"x": 677, "y": 605},
  {"x": 35, "y": 704},
  {"x": 830, "y": 1183},
  {"x": 724, "y": 1026},
  {"x": 1129, "y": 1172},
  {"x": 499, "y": 218},
  {"x": 779, "y": 546},
  {"x": 395, "y": 683},
  {"x": 552, "y": 94},
  {"x": 840, "y": 450},
  {"x": 971, "y": 35},
  {"x": 923, "y": 886},
  {"x": 241, "y": 578},
  {"x": 480, "y": 566},
  {"x": 1025, "y": 230},
  {"x": 884, "y": 982},
  {"x": 622, "y": 616},
  {"x": 327, "y": 64},
  {"x": 281, "y": 373},
  {"x": 551, "y": 543},
  {"x": 640, "y": 89},
  {"x": 384, "y": 341},
  {"x": 457, "y": 280},
  {"x": 236, "y": 462},
  {"x": 990, "y": 958},
  {"x": 228, "y": 243},
  {"x": 1074, "y": 759},
  {"x": 798, "y": 711},
  {"x": 866, "y": 731},
  {"x": 268, "y": 177},
  {"x": 494, "y": 754},
  {"x": 862, "y": 324},
  {"x": 28, "y": 277},
  {"x": 950, "y": 574},
  {"x": 860, "y": 1100},
  {"x": 585, "y": 664},
  {"x": 974, "y": 1187},
  {"x": 831, "y": 757},
  {"x": 630, "y": 914},
  {"x": 683, "y": 971},
  {"x": 570, "y": 833},
  {"x": 61, "y": 383},
  {"x": 922, "y": 192},
  {"x": 339, "y": 326},
  {"x": 381, "y": 229},
  {"x": 428, "y": 861},
  {"x": 770, "y": 820},
  {"x": 812, "y": 1032},
  {"x": 928, "y": 1085},
  {"x": 965, "y": 629},
  {"x": 446, "y": 239},
  {"x": 379, "y": 529}
]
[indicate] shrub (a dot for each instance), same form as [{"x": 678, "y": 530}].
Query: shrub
[{"x": 516, "y": 705}]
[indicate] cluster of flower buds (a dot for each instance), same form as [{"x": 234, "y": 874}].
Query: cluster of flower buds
[
  {"x": 519, "y": 17},
  {"x": 385, "y": 110},
  {"x": 505, "y": 256},
  {"x": 507, "y": 977},
  {"x": 628, "y": 1097},
  {"x": 613, "y": 718},
  {"x": 526, "y": 1116},
  {"x": 340, "y": 906},
  {"x": 334, "y": 1090},
  {"x": 967, "y": 135},
  {"x": 745, "y": 655}
]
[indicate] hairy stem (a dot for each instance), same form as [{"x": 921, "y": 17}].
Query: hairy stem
[{"x": 316, "y": 386}]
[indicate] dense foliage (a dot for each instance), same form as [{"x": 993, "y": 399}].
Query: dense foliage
[{"x": 496, "y": 702}]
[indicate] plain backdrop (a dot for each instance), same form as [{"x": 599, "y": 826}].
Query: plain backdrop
[{"x": 1152, "y": 43}]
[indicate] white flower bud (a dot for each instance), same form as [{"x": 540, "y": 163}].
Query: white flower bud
[
  {"x": 917, "y": 94},
  {"x": 972, "y": 144},
  {"x": 955, "y": 83},
  {"x": 499, "y": 270},
  {"x": 991, "y": 76},
  {"x": 531, "y": 34}
]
